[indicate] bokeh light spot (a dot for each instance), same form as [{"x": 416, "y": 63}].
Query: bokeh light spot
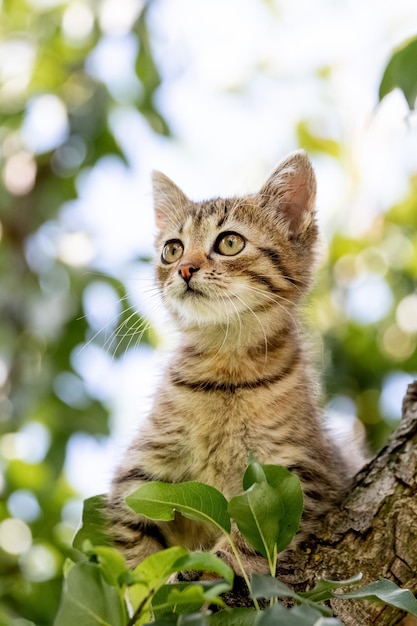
[
  {"x": 406, "y": 314},
  {"x": 30, "y": 444},
  {"x": 23, "y": 505},
  {"x": 15, "y": 536},
  {"x": 397, "y": 248},
  {"x": 70, "y": 389},
  {"x": 19, "y": 173},
  {"x": 39, "y": 564},
  {"x": 371, "y": 260},
  {"x": 102, "y": 306},
  {"x": 4, "y": 371},
  {"x": 46, "y": 123},
  {"x": 67, "y": 158},
  {"x": 369, "y": 299},
  {"x": 345, "y": 270},
  {"x": 75, "y": 249},
  {"x": 117, "y": 17},
  {"x": 397, "y": 344},
  {"x": 17, "y": 57},
  {"x": 77, "y": 23}
]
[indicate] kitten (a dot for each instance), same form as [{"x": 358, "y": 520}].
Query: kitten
[{"x": 232, "y": 274}]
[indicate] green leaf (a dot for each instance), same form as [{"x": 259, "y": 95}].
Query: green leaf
[
  {"x": 174, "y": 596},
  {"x": 401, "y": 72},
  {"x": 188, "y": 597},
  {"x": 255, "y": 472},
  {"x": 297, "y": 616},
  {"x": 257, "y": 513},
  {"x": 172, "y": 619},
  {"x": 268, "y": 513},
  {"x": 167, "y": 619},
  {"x": 195, "y": 619},
  {"x": 111, "y": 562},
  {"x": 89, "y": 600},
  {"x": 234, "y": 617},
  {"x": 94, "y": 524},
  {"x": 185, "y": 598},
  {"x": 288, "y": 486},
  {"x": 149, "y": 576},
  {"x": 388, "y": 592},
  {"x": 160, "y": 501},
  {"x": 148, "y": 579},
  {"x": 154, "y": 571},
  {"x": 206, "y": 562},
  {"x": 269, "y": 587},
  {"x": 323, "y": 588}
]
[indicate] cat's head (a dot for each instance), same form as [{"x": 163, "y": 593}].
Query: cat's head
[{"x": 223, "y": 260}]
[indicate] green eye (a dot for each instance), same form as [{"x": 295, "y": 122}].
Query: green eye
[
  {"x": 229, "y": 244},
  {"x": 172, "y": 251}
]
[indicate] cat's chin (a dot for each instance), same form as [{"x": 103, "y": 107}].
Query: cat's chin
[
  {"x": 198, "y": 315},
  {"x": 201, "y": 311}
]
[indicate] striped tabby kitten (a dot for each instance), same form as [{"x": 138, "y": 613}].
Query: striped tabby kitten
[{"x": 232, "y": 274}]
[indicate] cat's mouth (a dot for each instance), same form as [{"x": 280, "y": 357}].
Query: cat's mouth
[{"x": 193, "y": 292}]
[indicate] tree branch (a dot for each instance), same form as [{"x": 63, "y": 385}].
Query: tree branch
[{"x": 374, "y": 530}]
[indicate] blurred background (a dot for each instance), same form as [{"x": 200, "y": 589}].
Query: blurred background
[{"x": 94, "y": 94}]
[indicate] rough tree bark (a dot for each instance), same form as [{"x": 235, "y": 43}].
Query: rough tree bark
[{"x": 374, "y": 531}]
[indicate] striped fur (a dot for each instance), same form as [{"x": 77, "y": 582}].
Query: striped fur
[{"x": 240, "y": 380}]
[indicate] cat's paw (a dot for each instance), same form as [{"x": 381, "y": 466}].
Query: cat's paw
[
  {"x": 238, "y": 596},
  {"x": 191, "y": 576},
  {"x": 185, "y": 577}
]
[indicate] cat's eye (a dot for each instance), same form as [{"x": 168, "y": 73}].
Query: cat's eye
[
  {"x": 172, "y": 251},
  {"x": 229, "y": 244}
]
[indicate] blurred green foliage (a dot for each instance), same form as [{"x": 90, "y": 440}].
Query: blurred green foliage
[
  {"x": 43, "y": 319},
  {"x": 41, "y": 295},
  {"x": 361, "y": 354}
]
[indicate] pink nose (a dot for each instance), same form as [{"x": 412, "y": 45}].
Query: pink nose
[{"x": 186, "y": 270}]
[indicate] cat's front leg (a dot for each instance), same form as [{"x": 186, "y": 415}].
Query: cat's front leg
[{"x": 135, "y": 536}]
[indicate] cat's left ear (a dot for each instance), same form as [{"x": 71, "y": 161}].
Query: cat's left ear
[
  {"x": 291, "y": 193},
  {"x": 167, "y": 199}
]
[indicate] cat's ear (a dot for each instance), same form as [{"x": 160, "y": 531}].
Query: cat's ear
[
  {"x": 291, "y": 192},
  {"x": 167, "y": 199}
]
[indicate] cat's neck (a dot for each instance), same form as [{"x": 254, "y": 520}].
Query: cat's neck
[{"x": 249, "y": 347}]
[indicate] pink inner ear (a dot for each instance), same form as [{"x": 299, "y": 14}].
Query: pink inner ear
[
  {"x": 297, "y": 203},
  {"x": 160, "y": 218},
  {"x": 168, "y": 199},
  {"x": 291, "y": 192}
]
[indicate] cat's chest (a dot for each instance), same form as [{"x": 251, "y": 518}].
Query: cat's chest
[
  {"x": 218, "y": 446},
  {"x": 222, "y": 414},
  {"x": 212, "y": 434}
]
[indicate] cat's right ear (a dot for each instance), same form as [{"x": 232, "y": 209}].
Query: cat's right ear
[
  {"x": 167, "y": 199},
  {"x": 290, "y": 193}
]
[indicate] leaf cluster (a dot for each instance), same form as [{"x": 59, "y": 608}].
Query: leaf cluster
[
  {"x": 99, "y": 590},
  {"x": 45, "y": 402}
]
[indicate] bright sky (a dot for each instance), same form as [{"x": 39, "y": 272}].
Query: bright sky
[{"x": 238, "y": 75}]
